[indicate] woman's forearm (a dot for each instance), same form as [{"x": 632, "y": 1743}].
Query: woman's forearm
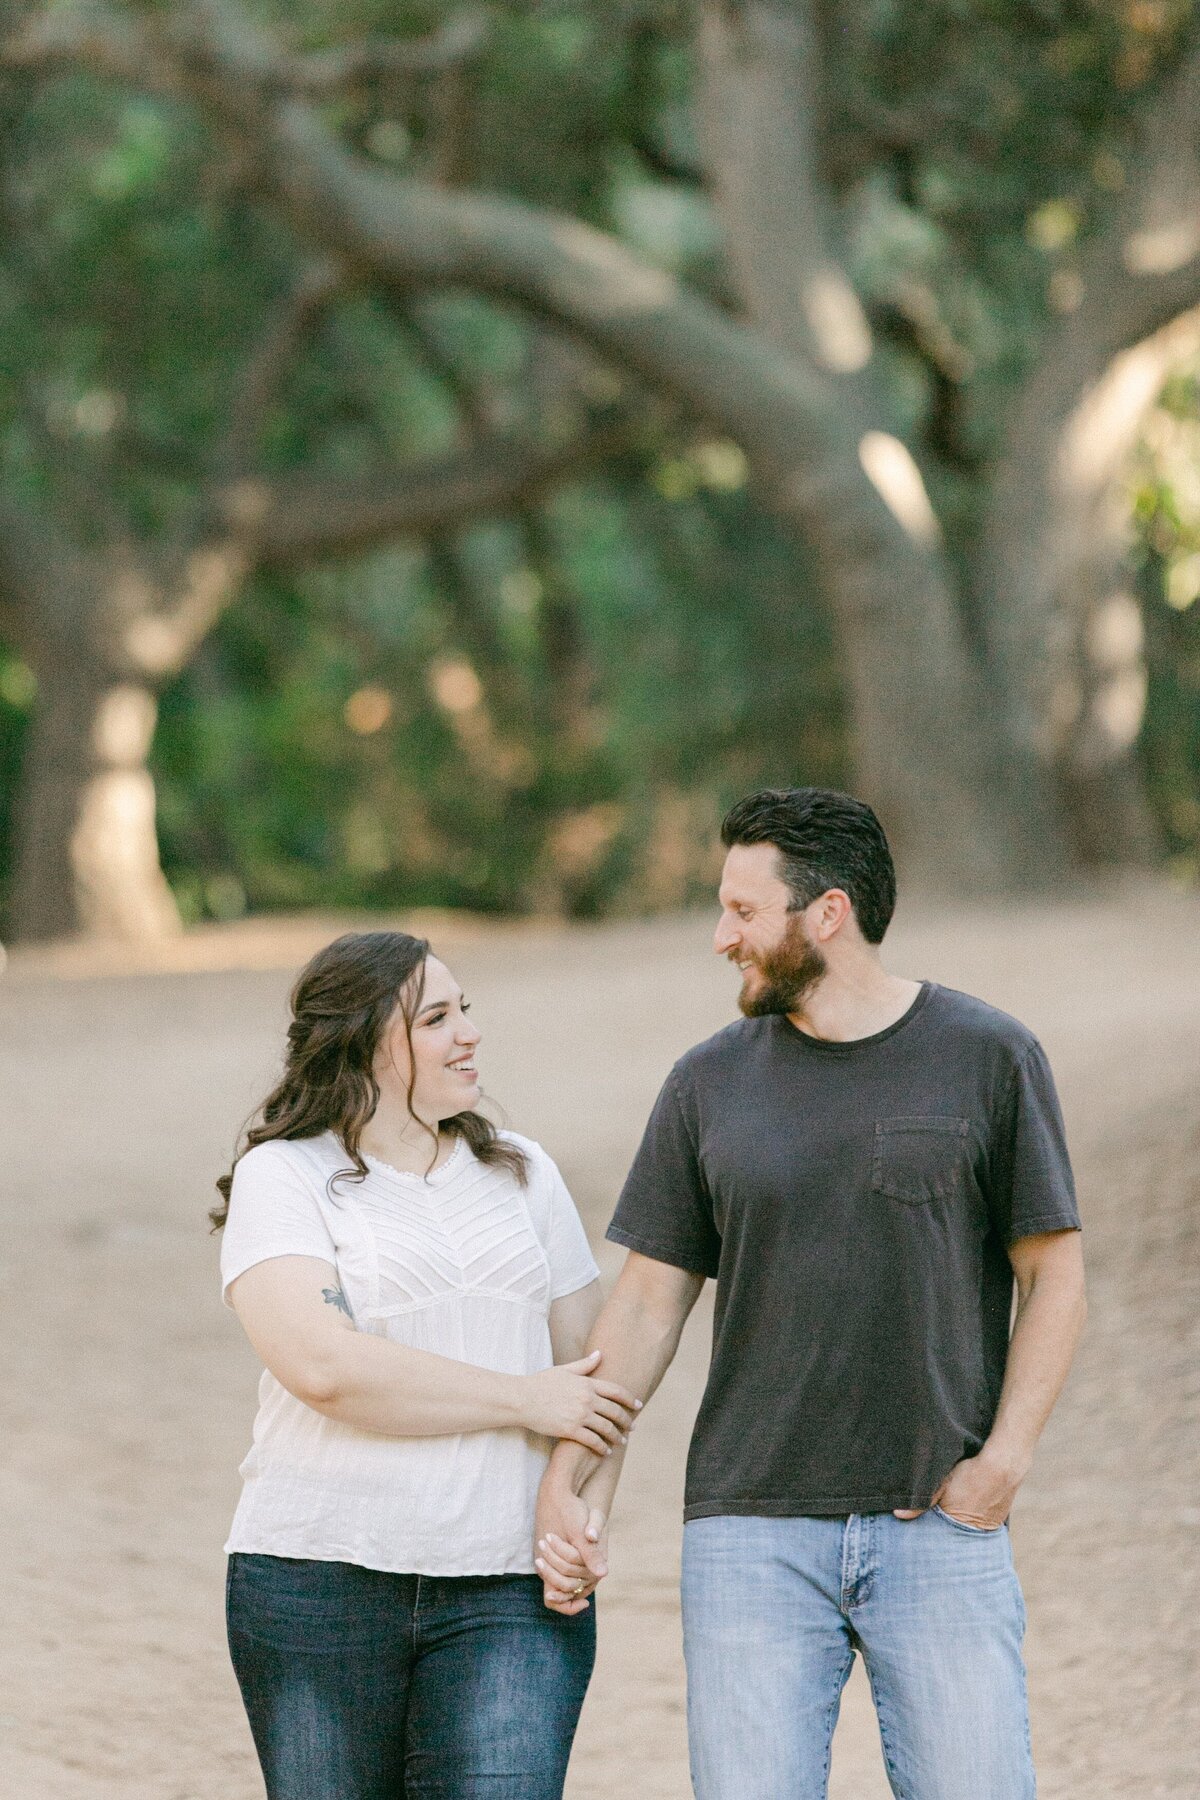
[
  {"x": 299, "y": 1321},
  {"x": 377, "y": 1385}
]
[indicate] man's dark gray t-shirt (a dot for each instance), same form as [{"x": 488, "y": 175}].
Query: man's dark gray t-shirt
[{"x": 854, "y": 1202}]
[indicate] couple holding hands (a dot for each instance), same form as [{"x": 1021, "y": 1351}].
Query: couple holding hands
[{"x": 867, "y": 1166}]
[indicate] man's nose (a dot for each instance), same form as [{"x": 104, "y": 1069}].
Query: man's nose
[{"x": 725, "y": 937}]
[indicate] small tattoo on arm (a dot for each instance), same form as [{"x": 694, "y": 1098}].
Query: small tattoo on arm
[{"x": 335, "y": 1297}]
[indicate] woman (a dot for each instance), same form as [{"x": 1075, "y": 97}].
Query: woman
[{"x": 408, "y": 1276}]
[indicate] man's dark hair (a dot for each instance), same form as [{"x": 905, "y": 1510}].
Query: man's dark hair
[{"x": 825, "y": 840}]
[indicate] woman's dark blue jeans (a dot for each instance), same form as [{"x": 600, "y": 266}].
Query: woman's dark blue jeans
[{"x": 361, "y": 1685}]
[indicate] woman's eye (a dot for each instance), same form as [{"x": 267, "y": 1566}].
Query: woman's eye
[{"x": 466, "y": 1006}]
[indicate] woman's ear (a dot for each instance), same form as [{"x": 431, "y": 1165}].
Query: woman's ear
[{"x": 394, "y": 1055}]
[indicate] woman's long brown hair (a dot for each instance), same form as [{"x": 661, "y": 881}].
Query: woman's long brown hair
[{"x": 341, "y": 1006}]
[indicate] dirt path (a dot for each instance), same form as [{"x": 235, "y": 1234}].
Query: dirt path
[{"x": 128, "y": 1393}]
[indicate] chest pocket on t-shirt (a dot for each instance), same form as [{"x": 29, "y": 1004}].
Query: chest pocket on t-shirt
[{"x": 920, "y": 1159}]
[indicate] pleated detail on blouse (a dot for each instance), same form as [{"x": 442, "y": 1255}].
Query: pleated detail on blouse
[{"x": 464, "y": 1263}]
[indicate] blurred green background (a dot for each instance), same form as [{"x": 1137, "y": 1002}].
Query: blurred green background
[{"x": 543, "y": 702}]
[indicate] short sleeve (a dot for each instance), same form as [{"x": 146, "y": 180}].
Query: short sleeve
[
  {"x": 665, "y": 1211},
  {"x": 274, "y": 1210},
  {"x": 572, "y": 1265},
  {"x": 1032, "y": 1189}
]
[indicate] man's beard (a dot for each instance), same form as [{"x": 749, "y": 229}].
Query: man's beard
[{"x": 788, "y": 973}]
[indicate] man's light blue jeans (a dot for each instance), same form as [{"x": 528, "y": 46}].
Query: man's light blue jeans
[{"x": 773, "y": 1612}]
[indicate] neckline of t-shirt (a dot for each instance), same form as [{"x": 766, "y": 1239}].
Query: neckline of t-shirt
[
  {"x": 434, "y": 1176},
  {"x": 848, "y": 1046}
]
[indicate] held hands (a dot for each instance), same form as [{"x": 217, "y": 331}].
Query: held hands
[
  {"x": 572, "y": 1549},
  {"x": 978, "y": 1491},
  {"x": 569, "y": 1402}
]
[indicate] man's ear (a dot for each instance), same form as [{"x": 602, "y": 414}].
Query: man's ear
[{"x": 827, "y": 915}]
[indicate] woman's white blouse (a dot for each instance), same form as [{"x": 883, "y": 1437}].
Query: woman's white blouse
[{"x": 464, "y": 1262}]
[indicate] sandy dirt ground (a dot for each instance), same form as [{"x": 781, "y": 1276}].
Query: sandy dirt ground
[{"x": 128, "y": 1393}]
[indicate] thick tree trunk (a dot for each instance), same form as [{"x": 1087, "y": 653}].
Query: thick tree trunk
[
  {"x": 87, "y": 850},
  {"x": 925, "y": 743},
  {"x": 1052, "y": 579},
  {"x": 1062, "y": 628}
]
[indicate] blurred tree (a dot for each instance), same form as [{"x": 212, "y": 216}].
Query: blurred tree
[
  {"x": 136, "y": 505},
  {"x": 1166, "y": 494},
  {"x": 958, "y": 254}
]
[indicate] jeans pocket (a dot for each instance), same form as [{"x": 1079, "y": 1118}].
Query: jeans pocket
[
  {"x": 304, "y": 1604},
  {"x": 961, "y": 1524},
  {"x": 920, "y": 1159}
]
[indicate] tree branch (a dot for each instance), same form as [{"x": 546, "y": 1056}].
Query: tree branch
[
  {"x": 326, "y": 73},
  {"x": 1143, "y": 268},
  {"x": 117, "y": 45},
  {"x": 412, "y": 236},
  {"x": 301, "y": 519},
  {"x": 421, "y": 327},
  {"x": 259, "y": 380},
  {"x": 65, "y": 37},
  {"x": 758, "y": 105},
  {"x": 304, "y": 518}
]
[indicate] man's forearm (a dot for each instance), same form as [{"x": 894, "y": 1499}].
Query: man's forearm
[
  {"x": 1049, "y": 1320},
  {"x": 639, "y": 1337},
  {"x": 600, "y": 1484}
]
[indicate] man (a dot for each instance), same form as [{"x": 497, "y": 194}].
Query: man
[{"x": 864, "y": 1164}]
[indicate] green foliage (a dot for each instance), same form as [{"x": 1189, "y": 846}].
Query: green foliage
[
  {"x": 461, "y": 790},
  {"x": 556, "y": 705},
  {"x": 18, "y": 692},
  {"x": 977, "y": 145},
  {"x": 1167, "y": 510},
  {"x": 130, "y": 285}
]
